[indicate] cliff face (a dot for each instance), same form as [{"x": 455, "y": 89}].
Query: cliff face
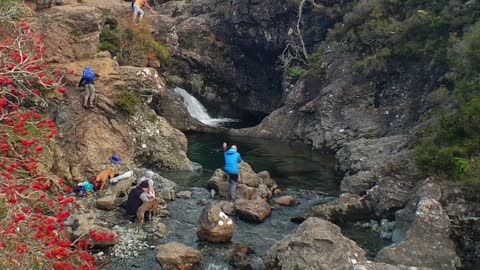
[
  {"x": 227, "y": 52},
  {"x": 88, "y": 138},
  {"x": 327, "y": 110}
]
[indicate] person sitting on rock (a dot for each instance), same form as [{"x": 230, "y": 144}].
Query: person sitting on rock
[
  {"x": 148, "y": 176},
  {"x": 88, "y": 82},
  {"x": 138, "y": 196},
  {"x": 138, "y": 11},
  {"x": 232, "y": 168}
]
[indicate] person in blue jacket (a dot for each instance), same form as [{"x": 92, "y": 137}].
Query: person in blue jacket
[{"x": 232, "y": 168}]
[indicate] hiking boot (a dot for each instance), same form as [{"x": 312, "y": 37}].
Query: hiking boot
[{"x": 91, "y": 106}]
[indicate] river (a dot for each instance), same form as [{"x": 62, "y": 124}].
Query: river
[{"x": 308, "y": 175}]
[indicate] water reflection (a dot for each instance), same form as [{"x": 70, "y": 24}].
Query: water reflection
[{"x": 292, "y": 166}]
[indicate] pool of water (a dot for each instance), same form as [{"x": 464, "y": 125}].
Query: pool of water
[{"x": 292, "y": 166}]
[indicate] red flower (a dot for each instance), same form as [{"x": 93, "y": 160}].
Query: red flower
[
  {"x": 62, "y": 90},
  {"x": 39, "y": 149},
  {"x": 22, "y": 248}
]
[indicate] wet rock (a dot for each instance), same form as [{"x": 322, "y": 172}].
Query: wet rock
[
  {"x": 175, "y": 256},
  {"x": 267, "y": 179},
  {"x": 427, "y": 243},
  {"x": 348, "y": 207},
  {"x": 389, "y": 194},
  {"x": 316, "y": 244},
  {"x": 251, "y": 186},
  {"x": 286, "y": 201},
  {"x": 184, "y": 194},
  {"x": 262, "y": 193},
  {"x": 203, "y": 202},
  {"x": 227, "y": 207},
  {"x": 254, "y": 211},
  {"x": 167, "y": 188},
  {"x": 215, "y": 226},
  {"x": 244, "y": 258}
]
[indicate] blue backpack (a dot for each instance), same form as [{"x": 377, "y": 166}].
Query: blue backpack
[{"x": 88, "y": 74}]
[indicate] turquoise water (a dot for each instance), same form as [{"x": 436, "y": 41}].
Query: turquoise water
[{"x": 293, "y": 166}]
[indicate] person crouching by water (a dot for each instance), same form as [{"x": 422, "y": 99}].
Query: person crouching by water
[
  {"x": 232, "y": 168},
  {"x": 138, "y": 196}
]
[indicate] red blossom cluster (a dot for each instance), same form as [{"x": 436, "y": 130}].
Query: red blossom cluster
[
  {"x": 33, "y": 204},
  {"x": 103, "y": 236}
]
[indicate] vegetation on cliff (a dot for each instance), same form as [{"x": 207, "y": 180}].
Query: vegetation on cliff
[
  {"x": 440, "y": 35},
  {"x": 132, "y": 44}
]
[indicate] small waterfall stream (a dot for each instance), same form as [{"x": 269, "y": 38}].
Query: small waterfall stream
[{"x": 198, "y": 111}]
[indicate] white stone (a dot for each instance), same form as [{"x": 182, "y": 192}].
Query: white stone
[
  {"x": 220, "y": 223},
  {"x": 144, "y": 145}
]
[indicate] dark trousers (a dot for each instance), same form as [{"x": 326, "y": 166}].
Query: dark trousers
[{"x": 233, "y": 179}]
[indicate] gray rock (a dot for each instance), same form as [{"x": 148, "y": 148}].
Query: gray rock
[
  {"x": 427, "y": 242},
  {"x": 316, "y": 244},
  {"x": 348, "y": 207}
]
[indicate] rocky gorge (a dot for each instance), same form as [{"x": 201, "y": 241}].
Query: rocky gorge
[{"x": 226, "y": 54}]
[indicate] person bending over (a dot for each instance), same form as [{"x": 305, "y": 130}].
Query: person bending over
[{"x": 136, "y": 198}]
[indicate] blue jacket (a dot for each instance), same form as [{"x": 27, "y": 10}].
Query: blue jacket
[{"x": 232, "y": 159}]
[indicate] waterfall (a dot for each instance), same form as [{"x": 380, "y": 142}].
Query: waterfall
[{"x": 198, "y": 111}]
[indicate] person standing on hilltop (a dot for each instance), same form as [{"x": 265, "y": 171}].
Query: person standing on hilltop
[
  {"x": 88, "y": 82},
  {"x": 138, "y": 11},
  {"x": 232, "y": 168}
]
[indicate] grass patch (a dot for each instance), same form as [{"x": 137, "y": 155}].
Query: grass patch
[{"x": 128, "y": 102}]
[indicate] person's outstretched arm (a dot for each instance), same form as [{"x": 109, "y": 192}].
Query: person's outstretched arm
[{"x": 225, "y": 146}]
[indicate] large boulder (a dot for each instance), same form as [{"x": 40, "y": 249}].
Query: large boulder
[
  {"x": 175, "y": 256},
  {"x": 347, "y": 207},
  {"x": 389, "y": 194},
  {"x": 316, "y": 244},
  {"x": 427, "y": 241},
  {"x": 214, "y": 225},
  {"x": 256, "y": 211},
  {"x": 250, "y": 184},
  {"x": 166, "y": 188},
  {"x": 73, "y": 32}
]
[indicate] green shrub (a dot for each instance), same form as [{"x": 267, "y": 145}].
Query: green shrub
[
  {"x": 133, "y": 45},
  {"x": 152, "y": 117},
  {"x": 295, "y": 71},
  {"x": 127, "y": 102},
  {"x": 453, "y": 150}
]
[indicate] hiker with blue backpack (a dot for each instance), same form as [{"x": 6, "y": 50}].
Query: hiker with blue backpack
[{"x": 88, "y": 82}]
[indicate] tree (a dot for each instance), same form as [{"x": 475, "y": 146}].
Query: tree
[{"x": 33, "y": 204}]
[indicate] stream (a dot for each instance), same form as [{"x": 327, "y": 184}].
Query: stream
[{"x": 300, "y": 172}]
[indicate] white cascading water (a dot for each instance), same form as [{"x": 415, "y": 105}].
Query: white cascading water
[{"x": 198, "y": 111}]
